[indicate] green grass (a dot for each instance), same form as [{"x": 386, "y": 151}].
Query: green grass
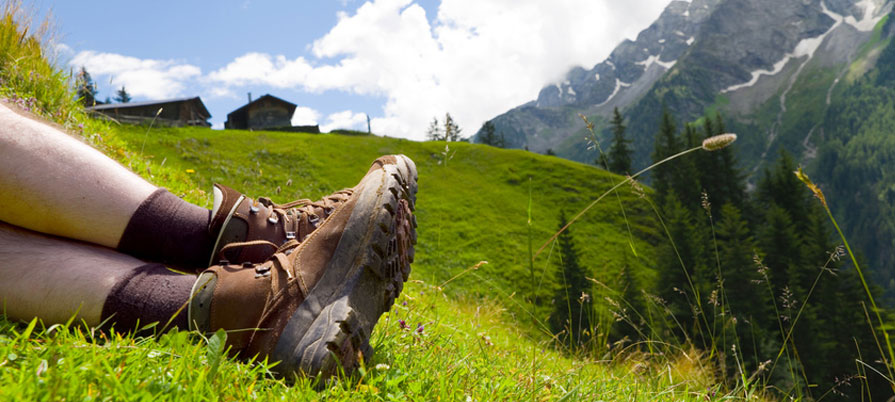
[
  {"x": 474, "y": 209},
  {"x": 467, "y": 349},
  {"x": 466, "y": 333}
]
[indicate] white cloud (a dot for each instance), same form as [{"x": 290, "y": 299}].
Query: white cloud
[
  {"x": 222, "y": 93},
  {"x": 153, "y": 79},
  {"x": 305, "y": 116},
  {"x": 60, "y": 51},
  {"x": 259, "y": 68},
  {"x": 475, "y": 59},
  {"x": 345, "y": 119}
]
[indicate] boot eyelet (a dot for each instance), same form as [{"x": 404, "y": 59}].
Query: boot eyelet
[
  {"x": 254, "y": 209},
  {"x": 273, "y": 219},
  {"x": 290, "y": 235}
]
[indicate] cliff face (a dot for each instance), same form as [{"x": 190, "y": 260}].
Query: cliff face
[{"x": 739, "y": 57}]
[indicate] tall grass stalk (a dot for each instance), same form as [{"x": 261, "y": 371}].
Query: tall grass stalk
[
  {"x": 710, "y": 144},
  {"x": 596, "y": 143},
  {"x": 690, "y": 283},
  {"x": 531, "y": 271},
  {"x": 795, "y": 320},
  {"x": 882, "y": 325},
  {"x": 763, "y": 271}
]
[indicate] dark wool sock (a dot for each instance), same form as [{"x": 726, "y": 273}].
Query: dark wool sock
[
  {"x": 151, "y": 293},
  {"x": 169, "y": 230}
]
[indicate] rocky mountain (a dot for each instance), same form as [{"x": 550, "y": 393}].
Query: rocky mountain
[
  {"x": 740, "y": 57},
  {"x": 813, "y": 77}
]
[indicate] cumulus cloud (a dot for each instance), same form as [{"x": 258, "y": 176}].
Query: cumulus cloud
[
  {"x": 154, "y": 79},
  {"x": 305, "y": 116},
  {"x": 474, "y": 59},
  {"x": 259, "y": 68},
  {"x": 345, "y": 119}
]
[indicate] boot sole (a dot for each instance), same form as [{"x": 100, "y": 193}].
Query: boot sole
[{"x": 331, "y": 329}]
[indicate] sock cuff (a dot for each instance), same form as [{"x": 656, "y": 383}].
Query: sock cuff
[
  {"x": 149, "y": 293},
  {"x": 169, "y": 230}
]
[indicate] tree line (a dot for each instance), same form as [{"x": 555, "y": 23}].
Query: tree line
[
  {"x": 86, "y": 90},
  {"x": 753, "y": 278}
]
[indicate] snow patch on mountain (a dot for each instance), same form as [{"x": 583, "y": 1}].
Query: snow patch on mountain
[
  {"x": 778, "y": 66},
  {"x": 868, "y": 21},
  {"x": 618, "y": 86},
  {"x": 652, "y": 59},
  {"x": 805, "y": 47}
]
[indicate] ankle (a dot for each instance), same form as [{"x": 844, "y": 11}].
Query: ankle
[
  {"x": 169, "y": 230},
  {"x": 150, "y": 293}
]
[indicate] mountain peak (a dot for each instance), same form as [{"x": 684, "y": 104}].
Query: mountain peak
[{"x": 747, "y": 51}]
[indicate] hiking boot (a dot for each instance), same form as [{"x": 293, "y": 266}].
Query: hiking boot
[
  {"x": 313, "y": 304},
  {"x": 239, "y": 219}
]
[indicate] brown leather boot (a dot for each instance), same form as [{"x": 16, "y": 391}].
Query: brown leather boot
[
  {"x": 239, "y": 219},
  {"x": 312, "y": 305}
]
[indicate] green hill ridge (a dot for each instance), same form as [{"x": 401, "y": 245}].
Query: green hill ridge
[{"x": 456, "y": 333}]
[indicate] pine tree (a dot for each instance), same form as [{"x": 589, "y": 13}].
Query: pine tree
[
  {"x": 434, "y": 132},
  {"x": 631, "y": 293},
  {"x": 666, "y": 144},
  {"x": 451, "y": 129},
  {"x": 620, "y": 152},
  {"x": 685, "y": 176},
  {"x": 729, "y": 183},
  {"x": 745, "y": 294},
  {"x": 781, "y": 187},
  {"x": 86, "y": 88},
  {"x": 489, "y": 136},
  {"x": 677, "y": 274},
  {"x": 572, "y": 305},
  {"x": 121, "y": 96}
]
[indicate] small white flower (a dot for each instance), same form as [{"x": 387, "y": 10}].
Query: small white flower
[{"x": 382, "y": 366}]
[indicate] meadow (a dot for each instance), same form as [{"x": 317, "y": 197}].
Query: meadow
[{"x": 472, "y": 322}]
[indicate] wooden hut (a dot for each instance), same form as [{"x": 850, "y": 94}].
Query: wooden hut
[
  {"x": 171, "y": 112},
  {"x": 265, "y": 113}
]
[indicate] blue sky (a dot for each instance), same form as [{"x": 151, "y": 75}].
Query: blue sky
[{"x": 403, "y": 62}]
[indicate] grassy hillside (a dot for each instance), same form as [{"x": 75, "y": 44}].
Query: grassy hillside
[
  {"x": 456, "y": 333},
  {"x": 472, "y": 207},
  {"x": 457, "y": 340}
]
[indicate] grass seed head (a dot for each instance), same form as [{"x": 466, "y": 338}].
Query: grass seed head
[
  {"x": 811, "y": 186},
  {"x": 717, "y": 142}
]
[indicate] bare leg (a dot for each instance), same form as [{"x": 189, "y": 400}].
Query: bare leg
[
  {"x": 55, "y": 184},
  {"x": 53, "y": 278}
]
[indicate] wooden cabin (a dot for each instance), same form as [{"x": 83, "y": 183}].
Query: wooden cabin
[
  {"x": 265, "y": 113},
  {"x": 174, "y": 112}
]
